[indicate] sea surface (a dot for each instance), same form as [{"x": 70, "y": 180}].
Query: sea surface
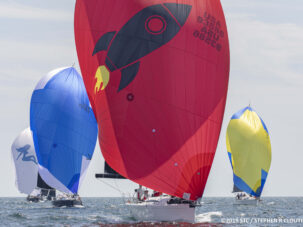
[{"x": 271, "y": 211}]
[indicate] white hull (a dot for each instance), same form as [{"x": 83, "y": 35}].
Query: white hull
[
  {"x": 161, "y": 211},
  {"x": 245, "y": 199},
  {"x": 246, "y": 202}
]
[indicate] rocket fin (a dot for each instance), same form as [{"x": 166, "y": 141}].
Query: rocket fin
[
  {"x": 104, "y": 42},
  {"x": 179, "y": 11},
  {"x": 128, "y": 74}
]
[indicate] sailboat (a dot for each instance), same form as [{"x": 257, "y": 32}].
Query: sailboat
[
  {"x": 64, "y": 132},
  {"x": 28, "y": 180},
  {"x": 156, "y": 73},
  {"x": 46, "y": 191},
  {"x": 249, "y": 152},
  {"x": 42, "y": 192},
  {"x": 25, "y": 160}
]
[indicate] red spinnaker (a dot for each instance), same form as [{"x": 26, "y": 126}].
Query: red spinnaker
[{"x": 156, "y": 72}]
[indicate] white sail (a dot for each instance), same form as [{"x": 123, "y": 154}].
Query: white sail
[{"x": 24, "y": 155}]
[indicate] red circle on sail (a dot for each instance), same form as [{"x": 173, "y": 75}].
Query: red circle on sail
[{"x": 155, "y": 25}]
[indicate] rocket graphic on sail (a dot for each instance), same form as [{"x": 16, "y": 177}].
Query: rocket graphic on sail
[{"x": 161, "y": 23}]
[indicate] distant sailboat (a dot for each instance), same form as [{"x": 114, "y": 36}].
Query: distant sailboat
[
  {"x": 249, "y": 151},
  {"x": 28, "y": 180},
  {"x": 156, "y": 73},
  {"x": 64, "y": 131},
  {"x": 24, "y": 156}
]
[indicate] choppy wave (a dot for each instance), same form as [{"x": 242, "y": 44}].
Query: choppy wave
[
  {"x": 207, "y": 217},
  {"x": 17, "y": 216},
  {"x": 112, "y": 212}
]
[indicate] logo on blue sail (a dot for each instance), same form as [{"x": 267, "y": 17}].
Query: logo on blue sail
[{"x": 24, "y": 151}]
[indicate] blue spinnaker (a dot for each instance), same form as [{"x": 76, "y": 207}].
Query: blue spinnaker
[{"x": 64, "y": 129}]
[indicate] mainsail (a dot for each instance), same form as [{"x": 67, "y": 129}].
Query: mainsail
[
  {"x": 45, "y": 189},
  {"x": 249, "y": 151},
  {"x": 156, "y": 73},
  {"x": 64, "y": 129},
  {"x": 109, "y": 173},
  {"x": 24, "y": 156}
]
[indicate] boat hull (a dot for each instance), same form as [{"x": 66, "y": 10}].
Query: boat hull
[
  {"x": 34, "y": 199},
  {"x": 246, "y": 202},
  {"x": 167, "y": 212},
  {"x": 67, "y": 203}
]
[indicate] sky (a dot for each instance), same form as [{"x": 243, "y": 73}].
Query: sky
[{"x": 266, "y": 45}]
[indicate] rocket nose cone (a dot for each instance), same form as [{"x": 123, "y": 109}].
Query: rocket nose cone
[{"x": 179, "y": 11}]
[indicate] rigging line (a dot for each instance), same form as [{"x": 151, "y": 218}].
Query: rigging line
[
  {"x": 122, "y": 193},
  {"x": 117, "y": 189},
  {"x": 113, "y": 187}
]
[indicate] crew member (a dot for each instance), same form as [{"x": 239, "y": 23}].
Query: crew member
[
  {"x": 140, "y": 193},
  {"x": 156, "y": 193}
]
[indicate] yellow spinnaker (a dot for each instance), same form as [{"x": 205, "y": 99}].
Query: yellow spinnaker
[{"x": 249, "y": 150}]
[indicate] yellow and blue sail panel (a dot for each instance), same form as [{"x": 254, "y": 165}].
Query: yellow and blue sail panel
[{"x": 249, "y": 151}]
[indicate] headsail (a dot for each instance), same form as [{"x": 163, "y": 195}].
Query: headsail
[
  {"x": 64, "y": 129},
  {"x": 156, "y": 73},
  {"x": 249, "y": 150},
  {"x": 24, "y": 155}
]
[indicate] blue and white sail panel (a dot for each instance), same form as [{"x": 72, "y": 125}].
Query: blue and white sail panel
[
  {"x": 24, "y": 156},
  {"x": 85, "y": 163},
  {"x": 64, "y": 128}
]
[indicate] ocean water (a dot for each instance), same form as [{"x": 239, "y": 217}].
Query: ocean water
[{"x": 271, "y": 211}]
